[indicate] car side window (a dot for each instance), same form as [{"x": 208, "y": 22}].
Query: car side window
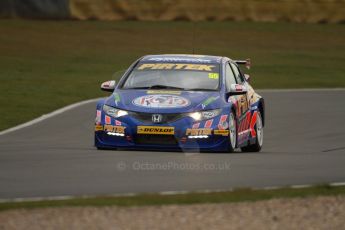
[
  {"x": 238, "y": 76},
  {"x": 229, "y": 77}
]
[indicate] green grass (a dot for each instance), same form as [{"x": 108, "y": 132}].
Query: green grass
[
  {"x": 45, "y": 65},
  {"x": 238, "y": 195}
]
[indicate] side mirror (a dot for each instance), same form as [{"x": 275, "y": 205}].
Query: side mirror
[
  {"x": 237, "y": 89},
  {"x": 108, "y": 86},
  {"x": 247, "y": 77}
]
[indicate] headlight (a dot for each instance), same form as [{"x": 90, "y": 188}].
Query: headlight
[
  {"x": 113, "y": 112},
  {"x": 204, "y": 115}
]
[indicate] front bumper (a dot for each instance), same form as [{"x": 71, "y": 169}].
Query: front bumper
[{"x": 182, "y": 134}]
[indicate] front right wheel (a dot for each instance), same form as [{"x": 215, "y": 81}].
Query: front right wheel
[{"x": 259, "y": 129}]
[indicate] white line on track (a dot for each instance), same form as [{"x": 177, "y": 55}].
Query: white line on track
[
  {"x": 49, "y": 115},
  {"x": 337, "y": 184},
  {"x": 301, "y": 186},
  {"x": 299, "y": 90},
  {"x": 72, "y": 106},
  {"x": 75, "y": 105},
  {"x": 164, "y": 193}
]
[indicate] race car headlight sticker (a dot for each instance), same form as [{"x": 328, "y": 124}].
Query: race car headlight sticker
[
  {"x": 196, "y": 116},
  {"x": 113, "y": 112},
  {"x": 204, "y": 115}
]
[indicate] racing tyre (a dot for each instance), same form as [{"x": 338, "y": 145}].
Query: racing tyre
[
  {"x": 232, "y": 132},
  {"x": 259, "y": 129}
]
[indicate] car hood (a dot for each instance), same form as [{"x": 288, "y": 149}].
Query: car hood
[{"x": 164, "y": 101}]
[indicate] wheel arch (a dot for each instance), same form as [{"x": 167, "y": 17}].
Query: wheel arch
[{"x": 100, "y": 104}]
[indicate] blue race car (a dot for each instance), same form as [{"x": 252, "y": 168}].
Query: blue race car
[{"x": 181, "y": 102}]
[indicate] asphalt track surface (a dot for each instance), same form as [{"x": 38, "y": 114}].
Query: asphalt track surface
[{"x": 304, "y": 143}]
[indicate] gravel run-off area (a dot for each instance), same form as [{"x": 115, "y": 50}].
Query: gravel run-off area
[{"x": 296, "y": 213}]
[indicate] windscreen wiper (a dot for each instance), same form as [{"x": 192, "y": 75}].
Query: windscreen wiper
[
  {"x": 200, "y": 89},
  {"x": 157, "y": 87},
  {"x": 140, "y": 87},
  {"x": 165, "y": 87}
]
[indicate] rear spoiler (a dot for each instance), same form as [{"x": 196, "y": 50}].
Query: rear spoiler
[{"x": 246, "y": 62}]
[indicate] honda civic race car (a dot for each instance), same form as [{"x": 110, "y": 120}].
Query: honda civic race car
[{"x": 181, "y": 102}]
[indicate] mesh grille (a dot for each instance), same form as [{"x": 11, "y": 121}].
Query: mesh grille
[
  {"x": 147, "y": 117},
  {"x": 156, "y": 139}
]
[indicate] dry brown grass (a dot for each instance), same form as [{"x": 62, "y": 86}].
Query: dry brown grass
[
  {"x": 298, "y": 213},
  {"x": 316, "y": 11}
]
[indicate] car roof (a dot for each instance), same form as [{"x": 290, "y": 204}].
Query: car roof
[{"x": 183, "y": 58}]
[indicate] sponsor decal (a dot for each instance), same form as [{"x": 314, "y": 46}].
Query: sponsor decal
[
  {"x": 209, "y": 114},
  {"x": 98, "y": 117},
  {"x": 157, "y": 130},
  {"x": 213, "y": 76},
  {"x": 118, "y": 123},
  {"x": 173, "y": 66},
  {"x": 223, "y": 122},
  {"x": 196, "y": 125},
  {"x": 161, "y": 101},
  {"x": 244, "y": 124},
  {"x": 177, "y": 59},
  {"x": 110, "y": 128},
  {"x": 221, "y": 132},
  {"x": 114, "y": 129},
  {"x": 163, "y": 92},
  {"x": 198, "y": 132},
  {"x": 252, "y": 124},
  {"x": 98, "y": 127},
  {"x": 238, "y": 87},
  {"x": 242, "y": 105},
  {"x": 244, "y": 127},
  {"x": 208, "y": 123},
  {"x": 208, "y": 101},
  {"x": 232, "y": 100},
  {"x": 107, "y": 119},
  {"x": 117, "y": 98},
  {"x": 108, "y": 84}
]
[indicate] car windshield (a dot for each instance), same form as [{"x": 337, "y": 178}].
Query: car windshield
[{"x": 182, "y": 76}]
